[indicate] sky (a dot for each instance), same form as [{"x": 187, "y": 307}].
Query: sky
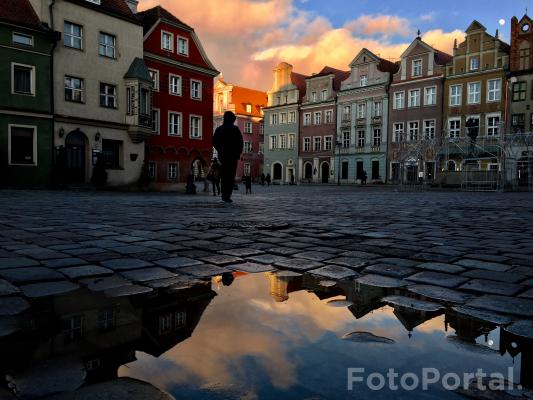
[{"x": 246, "y": 39}]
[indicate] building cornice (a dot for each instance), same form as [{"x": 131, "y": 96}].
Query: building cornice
[
  {"x": 364, "y": 89},
  {"x": 175, "y": 63},
  {"x": 24, "y": 50},
  {"x": 409, "y": 81},
  {"x": 24, "y": 113},
  {"x": 87, "y": 121}
]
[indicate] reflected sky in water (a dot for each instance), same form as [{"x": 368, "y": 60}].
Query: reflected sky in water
[{"x": 249, "y": 345}]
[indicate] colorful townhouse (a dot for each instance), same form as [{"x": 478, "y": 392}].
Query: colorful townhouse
[
  {"x": 362, "y": 119},
  {"x": 26, "y": 122},
  {"x": 475, "y": 101},
  {"x": 248, "y": 105},
  {"x": 318, "y": 126},
  {"x": 415, "y": 113},
  {"x": 101, "y": 88},
  {"x": 182, "y": 116},
  {"x": 520, "y": 114},
  {"x": 282, "y": 125}
]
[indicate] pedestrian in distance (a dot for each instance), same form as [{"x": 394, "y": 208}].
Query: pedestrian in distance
[
  {"x": 268, "y": 179},
  {"x": 248, "y": 184},
  {"x": 214, "y": 176},
  {"x": 228, "y": 143},
  {"x": 263, "y": 177},
  {"x": 363, "y": 180}
]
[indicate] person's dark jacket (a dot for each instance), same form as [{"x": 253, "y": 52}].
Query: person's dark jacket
[{"x": 227, "y": 139}]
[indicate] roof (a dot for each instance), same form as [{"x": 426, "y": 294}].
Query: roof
[
  {"x": 151, "y": 16},
  {"x": 299, "y": 81},
  {"x": 339, "y": 75},
  {"x": 19, "y": 12},
  {"x": 242, "y": 96},
  {"x": 442, "y": 58},
  {"x": 118, "y": 8},
  {"x": 388, "y": 66},
  {"x": 138, "y": 70}
]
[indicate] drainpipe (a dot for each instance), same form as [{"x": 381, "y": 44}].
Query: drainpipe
[{"x": 52, "y": 98}]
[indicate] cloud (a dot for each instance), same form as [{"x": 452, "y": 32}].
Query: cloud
[
  {"x": 383, "y": 25},
  {"x": 443, "y": 40},
  {"x": 428, "y": 17}
]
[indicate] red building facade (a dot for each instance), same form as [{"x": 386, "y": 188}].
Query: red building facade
[
  {"x": 181, "y": 143},
  {"x": 247, "y": 104}
]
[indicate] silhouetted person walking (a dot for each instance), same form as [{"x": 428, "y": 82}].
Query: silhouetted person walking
[
  {"x": 228, "y": 142},
  {"x": 268, "y": 179}
]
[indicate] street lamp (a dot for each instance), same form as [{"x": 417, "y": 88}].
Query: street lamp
[{"x": 338, "y": 143}]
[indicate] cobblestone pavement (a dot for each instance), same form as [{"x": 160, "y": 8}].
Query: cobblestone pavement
[{"x": 473, "y": 250}]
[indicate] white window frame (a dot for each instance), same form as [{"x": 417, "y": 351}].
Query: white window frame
[
  {"x": 317, "y": 140},
  {"x": 174, "y": 175},
  {"x": 248, "y": 108},
  {"x": 363, "y": 80},
  {"x": 273, "y": 119},
  {"x": 377, "y": 108},
  {"x": 186, "y": 52},
  {"x": 30, "y": 37},
  {"x": 415, "y": 66},
  {"x": 180, "y": 125},
  {"x": 433, "y": 99},
  {"x": 82, "y": 90},
  {"x": 200, "y": 122},
  {"x": 292, "y": 117},
  {"x": 156, "y": 78},
  {"x": 157, "y": 131},
  {"x": 376, "y": 137},
  {"x": 328, "y": 116},
  {"x": 457, "y": 132},
  {"x": 106, "y": 46},
  {"x": 171, "y": 87},
  {"x": 324, "y": 95},
  {"x": 410, "y": 131},
  {"x": 307, "y": 119},
  {"x": 472, "y": 66},
  {"x": 346, "y": 113},
  {"x": 456, "y": 100},
  {"x": 397, "y": 134},
  {"x": 360, "y": 138},
  {"x": 361, "y": 110},
  {"x": 248, "y": 127},
  {"x": 171, "y": 42},
  {"x": 32, "y": 79},
  {"x": 346, "y": 139},
  {"x": 273, "y": 142},
  {"x": 152, "y": 169},
  {"x": 410, "y": 103},
  {"x": 313, "y": 97},
  {"x": 9, "y": 128},
  {"x": 282, "y": 141},
  {"x": 307, "y": 144},
  {"x": 427, "y": 129},
  {"x": 496, "y": 93},
  {"x": 193, "y": 81},
  {"x": 291, "y": 140},
  {"x": 114, "y": 96},
  {"x": 317, "y": 118},
  {"x": 495, "y": 127},
  {"x": 399, "y": 96},
  {"x": 470, "y": 93},
  {"x": 283, "y": 118},
  {"x": 247, "y": 147},
  {"x": 71, "y": 35},
  {"x": 328, "y": 143}
]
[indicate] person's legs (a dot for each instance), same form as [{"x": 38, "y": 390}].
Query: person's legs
[{"x": 229, "y": 169}]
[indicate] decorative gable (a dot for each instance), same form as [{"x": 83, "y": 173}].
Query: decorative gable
[{"x": 365, "y": 56}]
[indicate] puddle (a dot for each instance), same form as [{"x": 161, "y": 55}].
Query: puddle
[{"x": 256, "y": 336}]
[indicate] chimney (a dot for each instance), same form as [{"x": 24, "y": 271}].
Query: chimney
[{"x": 132, "y": 4}]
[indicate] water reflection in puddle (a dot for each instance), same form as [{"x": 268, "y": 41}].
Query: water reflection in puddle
[{"x": 266, "y": 336}]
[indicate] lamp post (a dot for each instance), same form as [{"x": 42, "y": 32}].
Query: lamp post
[{"x": 338, "y": 143}]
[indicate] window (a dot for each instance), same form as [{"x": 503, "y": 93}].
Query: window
[
  {"x": 174, "y": 85},
  {"x": 456, "y": 92},
  {"x": 346, "y": 139},
  {"x": 493, "y": 123},
  {"x": 172, "y": 171},
  {"x": 344, "y": 170},
  {"x": 307, "y": 144},
  {"x": 417, "y": 67},
  {"x": 261, "y": 129},
  {"x": 261, "y": 148},
  {"x": 154, "y": 76},
  {"x": 73, "y": 35},
  {"x": 346, "y": 113},
  {"x": 273, "y": 142},
  {"x": 196, "y": 89},
  {"x": 397, "y": 132},
  {"x": 307, "y": 119},
  {"x": 248, "y": 108},
  {"x": 145, "y": 106},
  {"x": 414, "y": 98},
  {"x": 399, "y": 100},
  {"x": 107, "y": 44},
  {"x": 317, "y": 144},
  {"x": 413, "y": 131},
  {"x": 328, "y": 117},
  {"x": 376, "y": 110},
  {"x": 107, "y": 320},
  {"x": 23, "y": 79},
  {"x": 452, "y": 166},
  {"x": 454, "y": 127},
  {"x": 328, "y": 143},
  {"x": 25, "y": 40},
  {"x": 74, "y": 89},
  {"x": 376, "y": 138},
  {"x": 283, "y": 118},
  {"x": 361, "y": 138},
  {"x": 274, "y": 119},
  {"x": 155, "y": 121},
  {"x": 167, "y": 41},
  {"x": 130, "y": 100},
  {"x": 247, "y": 127},
  {"x": 22, "y": 145},
  {"x": 474, "y": 64},
  {"x": 195, "y": 129},
  {"x": 282, "y": 141},
  {"x": 111, "y": 153},
  {"x": 248, "y": 147},
  {"x": 494, "y": 90},
  {"x": 152, "y": 169},
  {"x": 474, "y": 92},
  {"x": 247, "y": 169},
  {"x": 74, "y": 328},
  {"x": 108, "y": 95},
  {"x": 292, "y": 138},
  {"x": 292, "y": 117},
  {"x": 524, "y": 58},
  {"x": 363, "y": 80},
  {"x": 519, "y": 91},
  {"x": 430, "y": 96},
  {"x": 324, "y": 96},
  {"x": 183, "y": 46},
  {"x": 174, "y": 124},
  {"x": 518, "y": 122},
  {"x": 429, "y": 129},
  {"x": 318, "y": 118},
  {"x": 361, "y": 110},
  {"x": 313, "y": 97}
]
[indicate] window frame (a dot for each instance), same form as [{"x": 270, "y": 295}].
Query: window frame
[
  {"x": 425, "y": 128},
  {"x": 114, "y": 47},
  {"x": 171, "y": 87},
  {"x": 174, "y": 175},
  {"x": 33, "y": 74},
  {"x": 157, "y": 121},
  {"x": 179, "y": 125},
  {"x": 397, "y": 135},
  {"x": 415, "y": 67},
  {"x": 186, "y": 40},
  {"x": 328, "y": 143},
  {"x": 498, "y": 91},
  {"x": 307, "y": 119},
  {"x": 114, "y": 97},
  {"x": 306, "y": 144},
  {"x": 469, "y": 92},
  {"x": 200, "y": 130},
  {"x": 410, "y": 97},
  {"x": 171, "y": 35},
  {"x": 10, "y": 144},
  {"x": 32, "y": 39},
  {"x": 317, "y": 118},
  {"x": 248, "y": 127},
  {"x": 376, "y": 138},
  {"x": 434, "y": 95},
  {"x": 495, "y": 128},
  {"x": 328, "y": 116},
  {"x": 410, "y": 136},
  {"x": 200, "y": 83},
  {"x": 361, "y": 138},
  {"x": 457, "y": 129},
  {"x": 519, "y": 92},
  {"x": 317, "y": 143},
  {"x": 399, "y": 95},
  {"x": 82, "y": 90},
  {"x": 459, "y": 96},
  {"x": 155, "y": 80},
  {"x": 71, "y": 35}
]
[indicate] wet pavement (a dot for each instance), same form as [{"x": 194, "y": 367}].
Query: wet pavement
[{"x": 274, "y": 296}]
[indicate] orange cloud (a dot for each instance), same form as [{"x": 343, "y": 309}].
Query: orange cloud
[
  {"x": 443, "y": 40},
  {"x": 384, "y": 25}
]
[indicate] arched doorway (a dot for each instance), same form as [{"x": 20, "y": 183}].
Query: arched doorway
[
  {"x": 325, "y": 172},
  {"x": 277, "y": 172},
  {"x": 75, "y": 149},
  {"x": 308, "y": 171},
  {"x": 198, "y": 169}
]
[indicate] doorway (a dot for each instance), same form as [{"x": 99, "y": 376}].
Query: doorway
[
  {"x": 276, "y": 172},
  {"x": 308, "y": 172},
  {"x": 75, "y": 149},
  {"x": 325, "y": 172}
]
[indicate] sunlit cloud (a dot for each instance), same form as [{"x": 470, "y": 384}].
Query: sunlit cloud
[
  {"x": 428, "y": 17},
  {"x": 383, "y": 25}
]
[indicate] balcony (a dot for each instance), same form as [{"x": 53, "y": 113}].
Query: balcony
[
  {"x": 377, "y": 120},
  {"x": 360, "y": 122}
]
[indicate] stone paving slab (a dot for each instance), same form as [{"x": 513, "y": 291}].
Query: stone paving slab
[
  {"x": 147, "y": 274},
  {"x": 7, "y": 289},
  {"x": 528, "y": 294},
  {"x": 205, "y": 270},
  {"x": 177, "y": 262},
  {"x": 440, "y": 294},
  {"x": 64, "y": 262},
  {"x": 495, "y": 276},
  {"x": 489, "y": 266},
  {"x": 381, "y": 281},
  {"x": 11, "y": 306},
  {"x": 102, "y": 284},
  {"x": 242, "y": 252},
  {"x": 299, "y": 264},
  {"x": 441, "y": 267},
  {"x": 400, "y": 262},
  {"x": 483, "y": 315},
  {"x": 120, "y": 264},
  {"x": 438, "y": 279},
  {"x": 350, "y": 262},
  {"x": 32, "y": 274},
  {"x": 48, "y": 289},
  {"x": 390, "y": 270},
  {"x": 17, "y": 262},
  {"x": 251, "y": 267},
  {"x": 410, "y": 303},
  {"x": 221, "y": 259},
  {"x": 504, "y": 304},
  {"x": 522, "y": 328},
  {"x": 314, "y": 255},
  {"x": 334, "y": 272},
  {"x": 85, "y": 271},
  {"x": 268, "y": 259},
  {"x": 492, "y": 287}
]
